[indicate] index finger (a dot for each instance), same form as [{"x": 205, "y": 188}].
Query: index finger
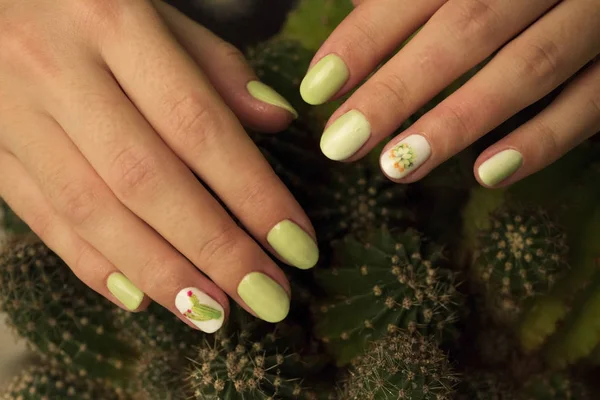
[{"x": 177, "y": 99}]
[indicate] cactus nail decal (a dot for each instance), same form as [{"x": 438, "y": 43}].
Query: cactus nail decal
[
  {"x": 405, "y": 156},
  {"x": 202, "y": 310}
]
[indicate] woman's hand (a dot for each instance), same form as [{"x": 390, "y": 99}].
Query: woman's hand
[
  {"x": 108, "y": 110},
  {"x": 539, "y": 45}
]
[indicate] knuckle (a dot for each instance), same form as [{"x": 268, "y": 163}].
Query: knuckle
[
  {"x": 23, "y": 46},
  {"x": 41, "y": 224},
  {"x": 194, "y": 122},
  {"x": 393, "y": 90},
  {"x": 457, "y": 120},
  {"x": 548, "y": 138},
  {"x": 223, "y": 243},
  {"x": 538, "y": 61},
  {"x": 98, "y": 13},
  {"x": 155, "y": 273},
  {"x": 254, "y": 196},
  {"x": 137, "y": 172},
  {"x": 474, "y": 19},
  {"x": 230, "y": 53},
  {"x": 78, "y": 201},
  {"x": 365, "y": 41}
]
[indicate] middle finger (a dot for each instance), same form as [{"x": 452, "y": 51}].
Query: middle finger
[{"x": 461, "y": 34}]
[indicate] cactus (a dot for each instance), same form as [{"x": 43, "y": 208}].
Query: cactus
[
  {"x": 554, "y": 387},
  {"x": 313, "y": 21},
  {"x": 61, "y": 318},
  {"x": 44, "y": 382},
  {"x": 401, "y": 366},
  {"x": 156, "y": 329},
  {"x": 256, "y": 362},
  {"x": 517, "y": 258},
  {"x": 384, "y": 280},
  {"x": 357, "y": 197},
  {"x": 160, "y": 376}
]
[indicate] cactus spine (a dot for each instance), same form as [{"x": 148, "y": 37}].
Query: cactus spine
[{"x": 382, "y": 281}]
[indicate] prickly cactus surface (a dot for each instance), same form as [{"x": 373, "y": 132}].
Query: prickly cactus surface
[
  {"x": 60, "y": 317},
  {"x": 401, "y": 366},
  {"x": 44, "y": 382},
  {"x": 381, "y": 281},
  {"x": 518, "y": 258},
  {"x": 253, "y": 363}
]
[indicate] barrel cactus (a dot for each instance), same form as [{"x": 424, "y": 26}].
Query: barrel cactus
[
  {"x": 59, "y": 316},
  {"x": 518, "y": 258},
  {"x": 44, "y": 382},
  {"x": 382, "y": 280},
  {"x": 401, "y": 366},
  {"x": 161, "y": 376},
  {"x": 248, "y": 366}
]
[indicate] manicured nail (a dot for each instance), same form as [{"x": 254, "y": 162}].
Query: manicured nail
[
  {"x": 345, "y": 136},
  {"x": 125, "y": 291},
  {"x": 405, "y": 157},
  {"x": 500, "y": 166},
  {"x": 324, "y": 80},
  {"x": 264, "y": 296},
  {"x": 267, "y": 94},
  {"x": 293, "y": 244},
  {"x": 204, "y": 312}
]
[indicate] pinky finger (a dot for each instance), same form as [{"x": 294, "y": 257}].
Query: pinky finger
[
  {"x": 570, "y": 119},
  {"x": 21, "y": 193}
]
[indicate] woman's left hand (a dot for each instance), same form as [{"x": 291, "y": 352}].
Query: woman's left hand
[{"x": 539, "y": 44}]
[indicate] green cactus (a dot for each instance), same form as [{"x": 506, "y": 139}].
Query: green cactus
[
  {"x": 554, "y": 387},
  {"x": 357, "y": 197},
  {"x": 256, "y": 362},
  {"x": 519, "y": 257},
  {"x": 401, "y": 366},
  {"x": 44, "y": 382},
  {"x": 58, "y": 315},
  {"x": 156, "y": 329},
  {"x": 382, "y": 281},
  {"x": 312, "y": 21},
  {"x": 161, "y": 376}
]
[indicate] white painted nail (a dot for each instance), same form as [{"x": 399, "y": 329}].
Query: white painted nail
[
  {"x": 405, "y": 156},
  {"x": 204, "y": 312}
]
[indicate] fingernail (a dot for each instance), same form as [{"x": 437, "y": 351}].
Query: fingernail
[
  {"x": 500, "y": 166},
  {"x": 204, "y": 312},
  {"x": 405, "y": 156},
  {"x": 324, "y": 80},
  {"x": 125, "y": 291},
  {"x": 267, "y": 94},
  {"x": 293, "y": 244},
  {"x": 345, "y": 136},
  {"x": 264, "y": 296}
]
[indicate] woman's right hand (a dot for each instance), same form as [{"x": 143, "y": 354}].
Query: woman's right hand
[{"x": 108, "y": 110}]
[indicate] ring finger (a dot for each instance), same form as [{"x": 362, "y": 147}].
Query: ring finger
[{"x": 525, "y": 70}]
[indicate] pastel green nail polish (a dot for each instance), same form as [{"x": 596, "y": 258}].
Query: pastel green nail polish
[
  {"x": 324, "y": 80},
  {"x": 345, "y": 136},
  {"x": 124, "y": 291},
  {"x": 267, "y": 94},
  {"x": 293, "y": 244},
  {"x": 264, "y": 296},
  {"x": 500, "y": 166}
]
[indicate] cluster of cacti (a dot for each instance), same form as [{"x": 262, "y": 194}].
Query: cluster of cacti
[
  {"x": 379, "y": 281},
  {"x": 437, "y": 290},
  {"x": 54, "y": 383}
]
